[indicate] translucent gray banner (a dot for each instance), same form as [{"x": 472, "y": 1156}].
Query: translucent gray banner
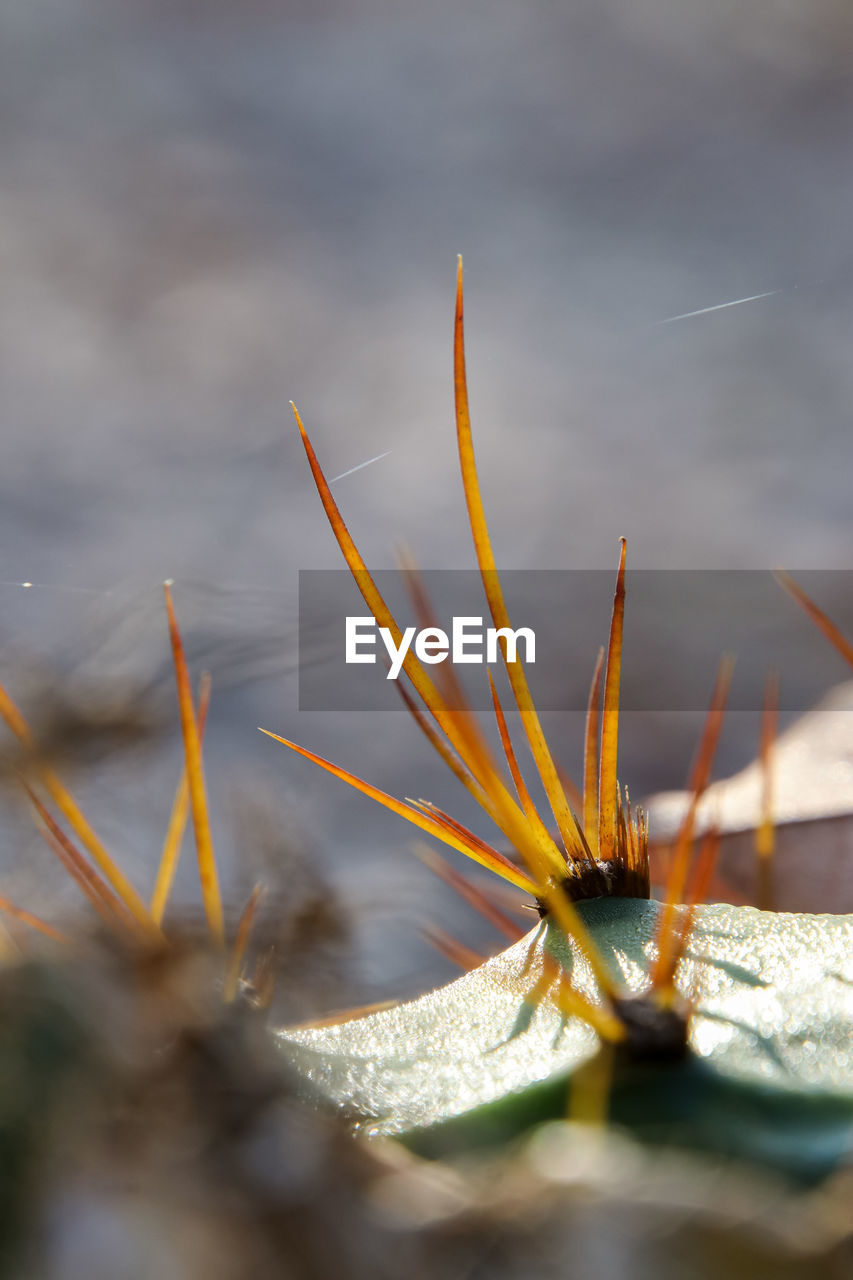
[{"x": 678, "y": 623}]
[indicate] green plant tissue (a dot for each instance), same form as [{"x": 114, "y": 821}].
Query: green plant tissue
[{"x": 769, "y": 1075}]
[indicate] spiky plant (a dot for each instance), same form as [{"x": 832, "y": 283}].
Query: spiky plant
[
  {"x": 86, "y": 859},
  {"x": 639, "y": 979},
  {"x": 706, "y": 1025}
]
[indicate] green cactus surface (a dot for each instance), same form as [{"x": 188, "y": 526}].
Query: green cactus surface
[{"x": 768, "y": 1075}]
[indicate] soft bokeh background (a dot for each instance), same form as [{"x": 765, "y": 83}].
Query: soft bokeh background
[{"x": 209, "y": 208}]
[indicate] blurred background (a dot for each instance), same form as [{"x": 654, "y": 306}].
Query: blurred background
[{"x": 207, "y": 209}]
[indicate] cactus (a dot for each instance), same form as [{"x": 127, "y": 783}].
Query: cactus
[
  {"x": 720, "y": 1031},
  {"x": 765, "y": 1075},
  {"x": 710, "y": 1026}
]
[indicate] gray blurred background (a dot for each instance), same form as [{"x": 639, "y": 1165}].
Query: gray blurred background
[{"x": 207, "y": 209}]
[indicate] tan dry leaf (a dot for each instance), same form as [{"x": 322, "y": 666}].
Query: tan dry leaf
[{"x": 813, "y": 809}]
